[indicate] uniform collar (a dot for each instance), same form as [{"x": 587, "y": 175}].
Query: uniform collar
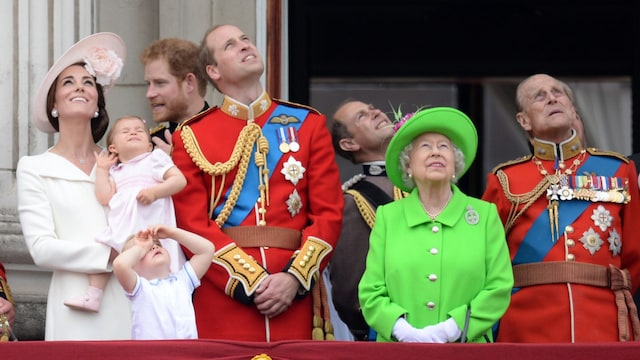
[
  {"x": 235, "y": 108},
  {"x": 546, "y": 150}
]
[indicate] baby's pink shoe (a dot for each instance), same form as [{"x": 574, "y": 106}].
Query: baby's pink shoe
[{"x": 88, "y": 302}]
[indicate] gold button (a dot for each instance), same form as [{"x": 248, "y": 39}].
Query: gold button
[
  {"x": 569, "y": 229},
  {"x": 571, "y": 257},
  {"x": 571, "y": 243}
]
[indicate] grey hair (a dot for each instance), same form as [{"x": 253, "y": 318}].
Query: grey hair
[{"x": 404, "y": 158}]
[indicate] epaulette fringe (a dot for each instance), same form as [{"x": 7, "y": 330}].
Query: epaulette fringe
[
  {"x": 598, "y": 152},
  {"x": 312, "y": 109},
  {"x": 511, "y": 162}
]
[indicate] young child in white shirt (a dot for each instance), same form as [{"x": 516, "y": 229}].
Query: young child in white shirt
[{"x": 162, "y": 306}]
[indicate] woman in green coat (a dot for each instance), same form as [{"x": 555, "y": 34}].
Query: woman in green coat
[{"x": 438, "y": 268}]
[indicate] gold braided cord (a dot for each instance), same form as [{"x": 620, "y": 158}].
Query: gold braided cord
[
  {"x": 366, "y": 210},
  {"x": 251, "y": 134},
  {"x": 399, "y": 194},
  {"x": 516, "y": 199}
]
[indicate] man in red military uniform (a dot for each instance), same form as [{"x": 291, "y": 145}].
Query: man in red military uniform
[
  {"x": 263, "y": 186},
  {"x": 7, "y": 310},
  {"x": 569, "y": 217}
]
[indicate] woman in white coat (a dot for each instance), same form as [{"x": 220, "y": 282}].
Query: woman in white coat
[{"x": 59, "y": 212}]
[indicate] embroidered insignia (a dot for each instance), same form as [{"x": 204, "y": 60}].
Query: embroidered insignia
[
  {"x": 294, "y": 203},
  {"x": 376, "y": 170},
  {"x": 601, "y": 217},
  {"x": 471, "y": 216},
  {"x": 233, "y": 109},
  {"x": 284, "y": 119},
  {"x": 293, "y": 170},
  {"x": 264, "y": 104},
  {"x": 614, "y": 242},
  {"x": 591, "y": 241}
]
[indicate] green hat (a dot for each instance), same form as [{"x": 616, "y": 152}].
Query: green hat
[{"x": 447, "y": 121}]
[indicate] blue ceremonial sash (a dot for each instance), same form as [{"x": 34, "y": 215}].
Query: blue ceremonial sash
[
  {"x": 250, "y": 192},
  {"x": 537, "y": 242}
]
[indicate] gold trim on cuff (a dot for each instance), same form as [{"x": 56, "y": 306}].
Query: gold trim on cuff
[
  {"x": 240, "y": 267},
  {"x": 307, "y": 260}
]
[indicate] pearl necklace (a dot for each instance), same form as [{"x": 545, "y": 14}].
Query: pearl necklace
[{"x": 435, "y": 215}]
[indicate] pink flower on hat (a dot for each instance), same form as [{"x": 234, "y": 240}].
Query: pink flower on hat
[
  {"x": 401, "y": 119},
  {"x": 104, "y": 64}
]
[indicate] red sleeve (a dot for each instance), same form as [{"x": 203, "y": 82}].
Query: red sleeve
[{"x": 630, "y": 251}]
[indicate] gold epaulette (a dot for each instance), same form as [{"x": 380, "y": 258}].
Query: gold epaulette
[
  {"x": 157, "y": 129},
  {"x": 367, "y": 211},
  {"x": 197, "y": 117},
  {"x": 511, "y": 162},
  {"x": 292, "y": 104},
  {"x": 598, "y": 152}
]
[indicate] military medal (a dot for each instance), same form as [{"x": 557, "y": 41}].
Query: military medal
[
  {"x": 294, "y": 203},
  {"x": 292, "y": 170},
  {"x": 614, "y": 242},
  {"x": 283, "y": 147},
  {"x": 293, "y": 142},
  {"x": 591, "y": 241}
]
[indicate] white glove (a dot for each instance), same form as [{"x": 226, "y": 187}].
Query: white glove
[
  {"x": 404, "y": 332},
  {"x": 443, "y": 332}
]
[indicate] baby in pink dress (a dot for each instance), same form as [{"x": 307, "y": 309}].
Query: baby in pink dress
[{"x": 136, "y": 183}]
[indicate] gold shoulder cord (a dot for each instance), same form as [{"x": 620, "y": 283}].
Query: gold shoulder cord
[
  {"x": 399, "y": 194},
  {"x": 366, "y": 211},
  {"x": 251, "y": 134},
  {"x": 527, "y": 199}
]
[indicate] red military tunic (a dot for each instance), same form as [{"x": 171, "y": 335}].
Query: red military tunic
[
  {"x": 592, "y": 232},
  {"x": 302, "y": 193}
]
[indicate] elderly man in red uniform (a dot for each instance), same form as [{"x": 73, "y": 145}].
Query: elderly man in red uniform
[
  {"x": 569, "y": 216},
  {"x": 264, "y": 187},
  {"x": 7, "y": 310}
]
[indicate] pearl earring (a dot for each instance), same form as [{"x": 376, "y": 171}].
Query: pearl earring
[
  {"x": 54, "y": 112},
  {"x": 96, "y": 114},
  {"x": 410, "y": 175}
]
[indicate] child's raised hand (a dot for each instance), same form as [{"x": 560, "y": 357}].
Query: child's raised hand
[
  {"x": 161, "y": 231},
  {"x": 144, "y": 239},
  {"x": 105, "y": 159}
]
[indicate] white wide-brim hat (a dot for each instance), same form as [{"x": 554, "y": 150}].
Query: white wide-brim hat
[{"x": 101, "y": 47}]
